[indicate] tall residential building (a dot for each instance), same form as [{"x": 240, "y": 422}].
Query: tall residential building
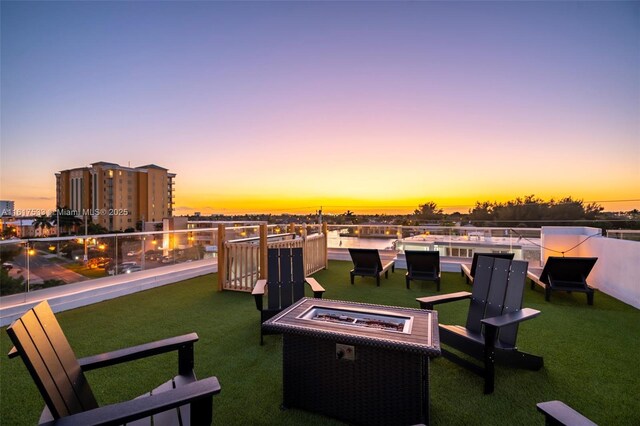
[
  {"x": 7, "y": 208},
  {"x": 116, "y": 197}
]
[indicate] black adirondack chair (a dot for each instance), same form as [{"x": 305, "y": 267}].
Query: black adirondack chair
[
  {"x": 495, "y": 311},
  {"x": 367, "y": 263},
  {"x": 565, "y": 274},
  {"x": 60, "y": 378},
  {"x": 470, "y": 271},
  {"x": 284, "y": 284},
  {"x": 423, "y": 266}
]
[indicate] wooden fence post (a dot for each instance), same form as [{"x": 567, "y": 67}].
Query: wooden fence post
[
  {"x": 222, "y": 257},
  {"x": 263, "y": 251},
  {"x": 325, "y": 232}
]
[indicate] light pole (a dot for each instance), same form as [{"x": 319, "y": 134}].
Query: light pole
[
  {"x": 86, "y": 257},
  {"x": 28, "y": 270},
  {"x": 58, "y": 232}
]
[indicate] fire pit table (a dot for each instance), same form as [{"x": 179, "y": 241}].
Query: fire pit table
[{"x": 357, "y": 362}]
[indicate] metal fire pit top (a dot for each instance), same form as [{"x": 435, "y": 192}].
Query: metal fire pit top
[
  {"x": 338, "y": 320},
  {"x": 359, "y": 317}
]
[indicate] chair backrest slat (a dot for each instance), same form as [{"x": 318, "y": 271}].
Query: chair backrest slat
[
  {"x": 479, "y": 293},
  {"x": 51, "y": 362},
  {"x": 513, "y": 300},
  {"x": 499, "y": 279},
  {"x": 286, "y": 284},
  {"x": 285, "y": 277},
  {"x": 297, "y": 273},
  {"x": 273, "y": 279}
]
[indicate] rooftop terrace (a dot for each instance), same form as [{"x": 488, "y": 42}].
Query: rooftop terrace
[{"x": 591, "y": 354}]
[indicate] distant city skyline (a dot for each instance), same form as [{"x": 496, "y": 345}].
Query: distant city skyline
[{"x": 285, "y": 107}]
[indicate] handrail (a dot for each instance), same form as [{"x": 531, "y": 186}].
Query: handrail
[{"x": 272, "y": 236}]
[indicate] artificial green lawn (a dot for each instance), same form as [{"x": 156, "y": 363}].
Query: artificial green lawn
[{"x": 591, "y": 354}]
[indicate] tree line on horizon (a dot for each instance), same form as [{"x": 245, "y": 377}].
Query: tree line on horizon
[
  {"x": 521, "y": 210},
  {"x": 527, "y": 211}
]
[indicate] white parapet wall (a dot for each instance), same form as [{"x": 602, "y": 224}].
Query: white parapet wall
[
  {"x": 617, "y": 271},
  {"x": 84, "y": 293}
]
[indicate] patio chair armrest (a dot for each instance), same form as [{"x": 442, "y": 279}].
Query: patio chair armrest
[
  {"x": 125, "y": 412},
  {"x": 13, "y": 352},
  {"x": 511, "y": 318},
  {"x": 258, "y": 292},
  {"x": 179, "y": 343},
  {"x": 465, "y": 270},
  {"x": 429, "y": 302},
  {"x": 259, "y": 288},
  {"x": 391, "y": 264},
  {"x": 562, "y": 414},
  {"x": 316, "y": 287},
  {"x": 535, "y": 279}
]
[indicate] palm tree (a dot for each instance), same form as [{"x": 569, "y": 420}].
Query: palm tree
[
  {"x": 42, "y": 222},
  {"x": 65, "y": 220}
]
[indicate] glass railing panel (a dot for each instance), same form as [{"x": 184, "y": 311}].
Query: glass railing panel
[
  {"x": 13, "y": 263},
  {"x": 361, "y": 236},
  {"x": 242, "y": 232},
  {"x": 631, "y": 235},
  {"x": 40, "y": 263}
]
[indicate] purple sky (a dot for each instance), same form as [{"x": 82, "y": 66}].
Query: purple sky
[{"x": 285, "y": 106}]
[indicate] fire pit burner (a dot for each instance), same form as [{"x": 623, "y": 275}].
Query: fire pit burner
[{"x": 356, "y": 318}]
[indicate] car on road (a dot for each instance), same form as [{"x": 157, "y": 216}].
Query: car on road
[
  {"x": 132, "y": 268},
  {"x": 123, "y": 268},
  {"x": 7, "y": 266},
  {"x": 153, "y": 255}
]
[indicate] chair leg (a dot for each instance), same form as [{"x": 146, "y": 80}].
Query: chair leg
[
  {"x": 547, "y": 293},
  {"x": 590, "y": 298},
  {"x": 378, "y": 280},
  {"x": 407, "y": 280},
  {"x": 201, "y": 411},
  {"x": 489, "y": 359},
  {"x": 351, "y": 275},
  {"x": 438, "y": 284}
]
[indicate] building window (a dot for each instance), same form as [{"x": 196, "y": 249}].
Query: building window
[{"x": 458, "y": 252}]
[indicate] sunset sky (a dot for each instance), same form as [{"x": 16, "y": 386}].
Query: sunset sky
[{"x": 289, "y": 106}]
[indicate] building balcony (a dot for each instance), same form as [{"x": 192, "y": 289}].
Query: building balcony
[{"x": 590, "y": 352}]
